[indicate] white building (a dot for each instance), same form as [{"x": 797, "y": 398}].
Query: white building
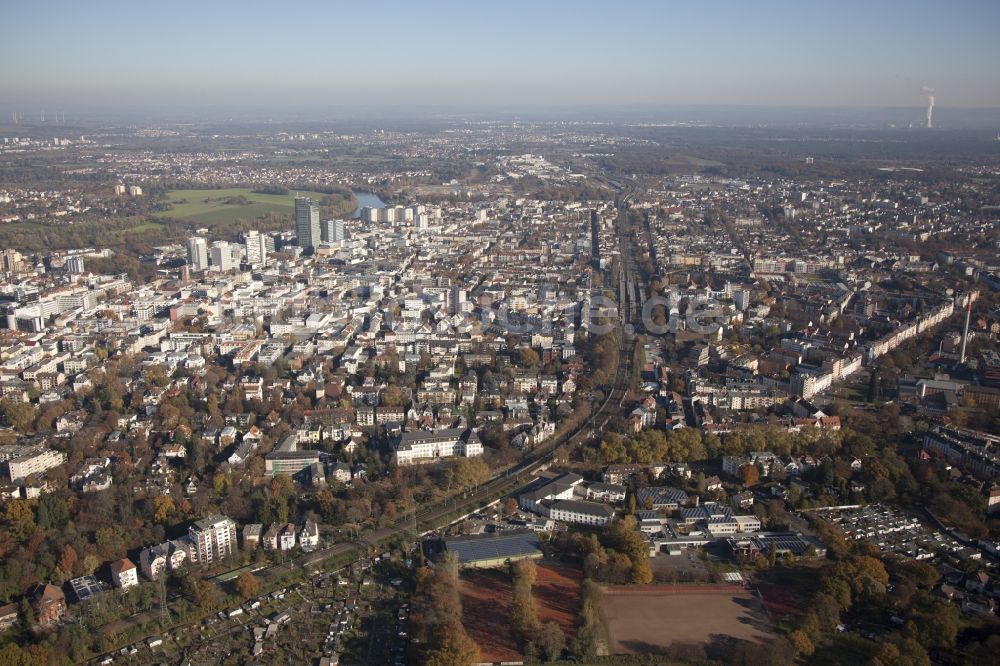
[
  {"x": 422, "y": 446},
  {"x": 581, "y": 513},
  {"x": 197, "y": 248},
  {"x": 124, "y": 574},
  {"x": 222, "y": 256},
  {"x": 332, "y": 231},
  {"x": 75, "y": 265},
  {"x": 286, "y": 541},
  {"x": 212, "y": 538},
  {"x": 23, "y": 461},
  {"x": 255, "y": 246},
  {"x": 309, "y": 536},
  {"x": 154, "y": 560}
]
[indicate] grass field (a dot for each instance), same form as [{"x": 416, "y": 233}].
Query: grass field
[
  {"x": 649, "y": 619},
  {"x": 486, "y": 601},
  {"x": 211, "y": 208}
]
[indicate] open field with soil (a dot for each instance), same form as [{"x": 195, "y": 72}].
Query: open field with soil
[
  {"x": 486, "y": 602},
  {"x": 650, "y": 618}
]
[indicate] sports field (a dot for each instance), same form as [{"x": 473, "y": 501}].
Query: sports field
[
  {"x": 219, "y": 207},
  {"x": 649, "y": 618},
  {"x": 486, "y": 605}
]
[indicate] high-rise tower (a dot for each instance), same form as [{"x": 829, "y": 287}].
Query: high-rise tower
[
  {"x": 197, "y": 248},
  {"x": 306, "y": 223}
]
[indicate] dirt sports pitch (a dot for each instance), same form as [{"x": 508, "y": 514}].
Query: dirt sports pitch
[
  {"x": 650, "y": 618},
  {"x": 486, "y": 600}
]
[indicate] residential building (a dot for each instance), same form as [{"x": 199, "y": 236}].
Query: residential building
[
  {"x": 309, "y": 536},
  {"x": 222, "y": 256},
  {"x": 25, "y": 460},
  {"x": 74, "y": 265},
  {"x": 124, "y": 574},
  {"x": 168, "y": 556},
  {"x": 8, "y": 616},
  {"x": 251, "y": 535},
  {"x": 255, "y": 247},
  {"x": 287, "y": 537},
  {"x": 271, "y": 536},
  {"x": 975, "y": 452},
  {"x": 213, "y": 538},
  {"x": 332, "y": 231},
  {"x": 49, "y": 604}
]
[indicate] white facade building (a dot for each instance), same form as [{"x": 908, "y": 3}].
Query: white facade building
[
  {"x": 197, "y": 248},
  {"x": 422, "y": 446},
  {"x": 213, "y": 538}
]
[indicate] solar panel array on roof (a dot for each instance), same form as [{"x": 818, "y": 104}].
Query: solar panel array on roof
[
  {"x": 479, "y": 547},
  {"x": 85, "y": 587},
  {"x": 791, "y": 543}
]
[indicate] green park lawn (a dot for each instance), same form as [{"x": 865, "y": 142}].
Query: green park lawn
[{"x": 215, "y": 207}]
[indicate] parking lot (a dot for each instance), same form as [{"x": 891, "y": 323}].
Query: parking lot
[
  {"x": 893, "y": 531},
  {"x": 688, "y": 567}
]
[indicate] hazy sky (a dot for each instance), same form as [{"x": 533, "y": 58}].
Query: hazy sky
[{"x": 221, "y": 52}]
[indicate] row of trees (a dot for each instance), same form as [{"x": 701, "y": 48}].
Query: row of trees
[
  {"x": 691, "y": 445},
  {"x": 437, "y": 616},
  {"x": 536, "y": 639}
]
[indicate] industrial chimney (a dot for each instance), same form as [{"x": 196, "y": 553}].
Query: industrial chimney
[{"x": 965, "y": 330}]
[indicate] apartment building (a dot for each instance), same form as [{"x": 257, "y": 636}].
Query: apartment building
[{"x": 212, "y": 539}]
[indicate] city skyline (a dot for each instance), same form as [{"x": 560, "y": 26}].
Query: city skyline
[{"x": 779, "y": 54}]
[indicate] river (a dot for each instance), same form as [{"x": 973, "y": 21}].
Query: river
[{"x": 367, "y": 200}]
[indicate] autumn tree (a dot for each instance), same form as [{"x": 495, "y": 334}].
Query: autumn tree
[
  {"x": 19, "y": 518},
  {"x": 163, "y": 508},
  {"x": 247, "y": 585},
  {"x": 800, "y": 641},
  {"x": 749, "y": 475},
  {"x": 20, "y": 415},
  {"x": 551, "y": 641}
]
